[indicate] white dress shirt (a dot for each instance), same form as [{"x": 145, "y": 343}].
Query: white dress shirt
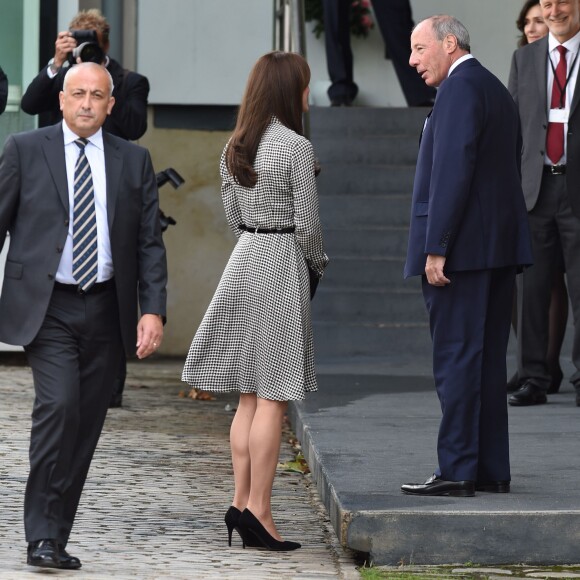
[
  {"x": 458, "y": 62},
  {"x": 96, "y": 157},
  {"x": 572, "y": 45}
]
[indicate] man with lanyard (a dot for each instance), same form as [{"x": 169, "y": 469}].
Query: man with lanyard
[{"x": 543, "y": 82}]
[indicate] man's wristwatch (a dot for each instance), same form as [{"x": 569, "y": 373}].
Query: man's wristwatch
[{"x": 53, "y": 68}]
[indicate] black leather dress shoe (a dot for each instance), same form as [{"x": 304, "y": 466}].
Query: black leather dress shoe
[
  {"x": 43, "y": 553},
  {"x": 116, "y": 401},
  {"x": 493, "y": 486},
  {"x": 67, "y": 562},
  {"x": 514, "y": 383},
  {"x": 528, "y": 394},
  {"x": 437, "y": 486}
]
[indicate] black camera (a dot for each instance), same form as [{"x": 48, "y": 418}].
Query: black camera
[{"x": 87, "y": 48}]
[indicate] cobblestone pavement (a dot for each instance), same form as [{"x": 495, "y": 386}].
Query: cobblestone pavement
[{"x": 157, "y": 492}]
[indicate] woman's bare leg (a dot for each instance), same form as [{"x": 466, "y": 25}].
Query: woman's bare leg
[
  {"x": 240, "y": 446},
  {"x": 265, "y": 437}
]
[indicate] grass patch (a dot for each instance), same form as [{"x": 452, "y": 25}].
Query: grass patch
[{"x": 510, "y": 572}]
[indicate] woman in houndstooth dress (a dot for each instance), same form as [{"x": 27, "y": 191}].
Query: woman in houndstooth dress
[{"x": 256, "y": 336}]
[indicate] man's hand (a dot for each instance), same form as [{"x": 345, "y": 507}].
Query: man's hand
[
  {"x": 434, "y": 270},
  {"x": 149, "y": 334},
  {"x": 64, "y": 44}
]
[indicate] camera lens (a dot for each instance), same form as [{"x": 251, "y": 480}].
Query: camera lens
[{"x": 89, "y": 52}]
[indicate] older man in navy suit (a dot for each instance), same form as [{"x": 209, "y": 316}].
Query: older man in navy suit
[{"x": 469, "y": 235}]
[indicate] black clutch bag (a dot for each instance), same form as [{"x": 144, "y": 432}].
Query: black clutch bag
[{"x": 314, "y": 279}]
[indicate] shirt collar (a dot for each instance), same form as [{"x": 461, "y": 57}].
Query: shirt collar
[
  {"x": 572, "y": 44},
  {"x": 69, "y": 137},
  {"x": 458, "y": 62}
]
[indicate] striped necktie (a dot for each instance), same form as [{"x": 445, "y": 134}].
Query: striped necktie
[
  {"x": 555, "y": 134},
  {"x": 85, "y": 263}
]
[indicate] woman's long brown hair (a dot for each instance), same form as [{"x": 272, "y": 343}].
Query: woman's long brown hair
[{"x": 275, "y": 88}]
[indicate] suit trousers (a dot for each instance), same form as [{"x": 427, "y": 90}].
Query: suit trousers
[
  {"x": 470, "y": 325},
  {"x": 338, "y": 49},
  {"x": 555, "y": 231},
  {"x": 395, "y": 21},
  {"x": 74, "y": 359}
]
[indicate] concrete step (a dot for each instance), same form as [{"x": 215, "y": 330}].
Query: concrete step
[
  {"x": 353, "y": 179},
  {"x": 356, "y": 121},
  {"x": 376, "y": 149},
  {"x": 377, "y": 307},
  {"x": 350, "y": 340},
  {"x": 375, "y": 273},
  {"x": 365, "y": 211},
  {"x": 354, "y": 242},
  {"x": 363, "y": 436},
  {"x": 364, "y": 307}
]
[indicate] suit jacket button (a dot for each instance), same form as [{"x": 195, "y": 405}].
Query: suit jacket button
[
  {"x": 59, "y": 250},
  {"x": 66, "y": 222},
  {"x": 50, "y": 277},
  {"x": 542, "y": 153}
]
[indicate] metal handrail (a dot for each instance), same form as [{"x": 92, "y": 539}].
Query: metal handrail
[
  {"x": 289, "y": 29},
  {"x": 290, "y": 34}
]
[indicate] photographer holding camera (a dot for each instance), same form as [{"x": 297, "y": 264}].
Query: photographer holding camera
[{"x": 87, "y": 40}]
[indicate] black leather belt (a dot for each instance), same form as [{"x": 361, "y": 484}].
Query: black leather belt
[
  {"x": 555, "y": 169},
  {"x": 266, "y": 230},
  {"x": 94, "y": 289}
]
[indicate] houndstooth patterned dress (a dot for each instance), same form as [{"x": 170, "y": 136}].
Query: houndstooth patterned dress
[{"x": 256, "y": 336}]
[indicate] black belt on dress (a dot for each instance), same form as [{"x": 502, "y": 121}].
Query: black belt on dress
[
  {"x": 555, "y": 169},
  {"x": 259, "y": 230},
  {"x": 94, "y": 289}
]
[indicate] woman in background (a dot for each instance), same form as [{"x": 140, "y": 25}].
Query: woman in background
[
  {"x": 530, "y": 23},
  {"x": 532, "y": 26},
  {"x": 256, "y": 336}
]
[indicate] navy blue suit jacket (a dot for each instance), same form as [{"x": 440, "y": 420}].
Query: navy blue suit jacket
[{"x": 468, "y": 203}]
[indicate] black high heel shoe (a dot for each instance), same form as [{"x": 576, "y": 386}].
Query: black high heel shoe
[
  {"x": 252, "y": 529},
  {"x": 232, "y": 520}
]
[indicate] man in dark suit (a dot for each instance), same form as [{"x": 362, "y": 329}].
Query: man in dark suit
[
  {"x": 127, "y": 120},
  {"x": 129, "y": 116},
  {"x": 468, "y": 236},
  {"x": 85, "y": 255},
  {"x": 544, "y": 84},
  {"x": 396, "y": 22}
]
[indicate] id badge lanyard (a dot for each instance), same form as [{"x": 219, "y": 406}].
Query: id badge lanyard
[{"x": 561, "y": 114}]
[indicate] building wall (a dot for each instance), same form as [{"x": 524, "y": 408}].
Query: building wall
[{"x": 199, "y": 245}]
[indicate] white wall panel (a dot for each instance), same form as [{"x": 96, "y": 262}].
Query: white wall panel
[{"x": 199, "y": 52}]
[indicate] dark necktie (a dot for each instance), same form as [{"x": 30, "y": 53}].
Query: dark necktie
[
  {"x": 85, "y": 263},
  {"x": 555, "y": 136}
]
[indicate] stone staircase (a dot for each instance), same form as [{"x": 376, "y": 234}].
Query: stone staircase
[{"x": 364, "y": 311}]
